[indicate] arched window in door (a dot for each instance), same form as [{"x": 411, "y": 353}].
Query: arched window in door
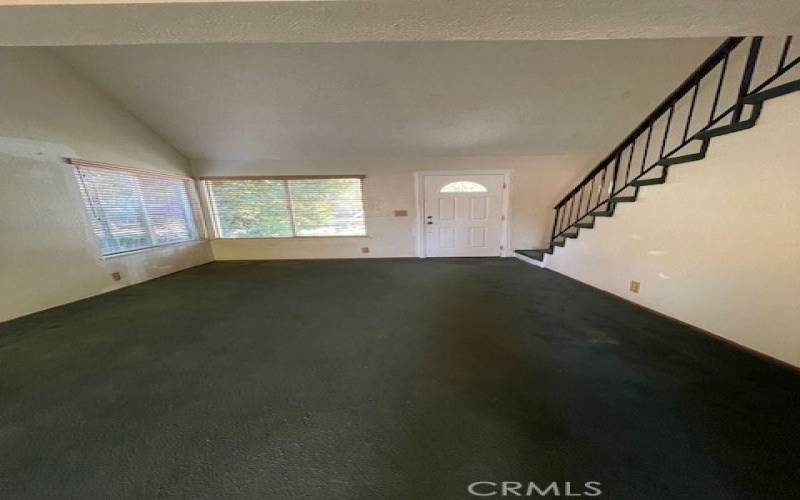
[{"x": 464, "y": 187}]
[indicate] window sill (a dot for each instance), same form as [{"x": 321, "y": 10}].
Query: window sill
[{"x": 150, "y": 249}]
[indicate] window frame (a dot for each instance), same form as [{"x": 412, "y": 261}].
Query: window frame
[
  {"x": 209, "y": 211},
  {"x": 482, "y": 188},
  {"x": 192, "y": 196}
]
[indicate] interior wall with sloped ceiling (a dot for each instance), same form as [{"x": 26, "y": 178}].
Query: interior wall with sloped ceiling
[{"x": 48, "y": 254}]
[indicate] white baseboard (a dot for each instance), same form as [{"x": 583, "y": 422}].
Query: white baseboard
[{"x": 532, "y": 262}]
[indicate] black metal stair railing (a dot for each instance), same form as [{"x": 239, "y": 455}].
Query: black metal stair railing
[{"x": 717, "y": 89}]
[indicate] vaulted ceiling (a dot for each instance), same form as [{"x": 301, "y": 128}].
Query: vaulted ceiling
[
  {"x": 390, "y": 100},
  {"x": 331, "y": 79}
]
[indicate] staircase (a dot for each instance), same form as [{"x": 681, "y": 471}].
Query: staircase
[{"x": 736, "y": 78}]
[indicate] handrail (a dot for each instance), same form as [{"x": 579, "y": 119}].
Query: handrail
[
  {"x": 603, "y": 186},
  {"x": 709, "y": 64}
]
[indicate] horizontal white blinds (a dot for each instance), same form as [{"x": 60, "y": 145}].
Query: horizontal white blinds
[
  {"x": 131, "y": 210},
  {"x": 289, "y": 207}
]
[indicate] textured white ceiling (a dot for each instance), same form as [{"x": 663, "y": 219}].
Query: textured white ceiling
[
  {"x": 391, "y": 100},
  {"x": 388, "y": 20}
]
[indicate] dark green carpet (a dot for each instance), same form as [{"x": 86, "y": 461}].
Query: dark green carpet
[{"x": 382, "y": 379}]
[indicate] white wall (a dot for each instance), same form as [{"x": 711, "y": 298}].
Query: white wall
[
  {"x": 48, "y": 255},
  {"x": 718, "y": 245},
  {"x": 537, "y": 183}
]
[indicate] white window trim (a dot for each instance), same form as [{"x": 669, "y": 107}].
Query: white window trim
[
  {"x": 200, "y": 223},
  {"x": 208, "y": 211},
  {"x": 152, "y": 248}
]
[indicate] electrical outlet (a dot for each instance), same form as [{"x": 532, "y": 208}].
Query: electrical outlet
[
  {"x": 364, "y": 249},
  {"x": 116, "y": 276},
  {"x": 635, "y": 286}
]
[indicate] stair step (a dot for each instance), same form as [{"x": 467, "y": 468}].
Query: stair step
[
  {"x": 570, "y": 235},
  {"x": 675, "y": 160},
  {"x": 727, "y": 129},
  {"x": 650, "y": 182},
  {"x": 585, "y": 225},
  {"x": 559, "y": 243},
  {"x": 734, "y": 127},
  {"x": 623, "y": 199},
  {"x": 532, "y": 254},
  {"x": 603, "y": 213},
  {"x": 778, "y": 91}
]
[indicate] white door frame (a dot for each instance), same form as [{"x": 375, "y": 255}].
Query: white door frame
[{"x": 419, "y": 193}]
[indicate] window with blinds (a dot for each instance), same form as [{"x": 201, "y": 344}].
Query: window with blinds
[
  {"x": 131, "y": 210},
  {"x": 271, "y": 207}
]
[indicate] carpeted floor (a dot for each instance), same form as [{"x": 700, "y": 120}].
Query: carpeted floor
[{"x": 383, "y": 379}]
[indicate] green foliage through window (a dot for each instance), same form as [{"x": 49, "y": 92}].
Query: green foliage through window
[{"x": 285, "y": 208}]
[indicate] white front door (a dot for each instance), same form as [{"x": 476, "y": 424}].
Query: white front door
[{"x": 463, "y": 215}]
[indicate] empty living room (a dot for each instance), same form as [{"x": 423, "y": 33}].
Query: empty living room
[{"x": 399, "y": 249}]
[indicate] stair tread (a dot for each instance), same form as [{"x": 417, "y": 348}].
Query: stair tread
[
  {"x": 533, "y": 254},
  {"x": 650, "y": 182},
  {"x": 675, "y": 160},
  {"x": 733, "y": 127},
  {"x": 778, "y": 91},
  {"x": 726, "y": 129}
]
